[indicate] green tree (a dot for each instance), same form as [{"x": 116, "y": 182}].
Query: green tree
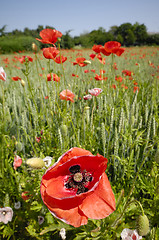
[
  {"x": 67, "y": 40},
  {"x": 140, "y": 32}
]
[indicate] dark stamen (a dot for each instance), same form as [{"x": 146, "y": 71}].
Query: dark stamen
[{"x": 74, "y": 169}]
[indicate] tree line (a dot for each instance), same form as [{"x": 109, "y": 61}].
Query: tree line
[{"x": 127, "y": 34}]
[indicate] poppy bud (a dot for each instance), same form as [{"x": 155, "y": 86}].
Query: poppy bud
[
  {"x": 34, "y": 47},
  {"x": 22, "y": 82},
  {"x": 64, "y": 130},
  {"x": 142, "y": 225},
  {"x": 19, "y": 146},
  {"x": 87, "y": 62},
  {"x": 36, "y": 163}
]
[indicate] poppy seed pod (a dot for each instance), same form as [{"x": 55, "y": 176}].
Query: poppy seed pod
[
  {"x": 143, "y": 225},
  {"x": 36, "y": 163}
]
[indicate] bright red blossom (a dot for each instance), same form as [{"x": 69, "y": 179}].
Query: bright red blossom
[
  {"x": 67, "y": 95},
  {"x": 60, "y": 59},
  {"x": 16, "y": 78},
  {"x": 83, "y": 188},
  {"x": 49, "y": 36},
  {"x": 50, "y": 53},
  {"x": 112, "y": 47},
  {"x": 23, "y": 59},
  {"x": 53, "y": 76},
  {"x": 80, "y": 62}
]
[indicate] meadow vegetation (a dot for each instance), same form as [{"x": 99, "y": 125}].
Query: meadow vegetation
[{"x": 121, "y": 124}]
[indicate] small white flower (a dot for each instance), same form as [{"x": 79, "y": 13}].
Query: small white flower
[
  {"x": 47, "y": 161},
  {"x": 128, "y": 234},
  {"x": 2, "y": 74},
  {"x": 40, "y": 220},
  {"x": 17, "y": 205},
  {"x": 63, "y": 233},
  {"x": 6, "y": 215}
]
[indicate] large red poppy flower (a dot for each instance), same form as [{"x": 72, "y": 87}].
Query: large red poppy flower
[
  {"x": 80, "y": 61},
  {"x": 112, "y": 47},
  {"x": 60, "y": 59},
  {"x": 49, "y": 36},
  {"x": 67, "y": 95},
  {"x": 50, "y": 53},
  {"x": 76, "y": 188}
]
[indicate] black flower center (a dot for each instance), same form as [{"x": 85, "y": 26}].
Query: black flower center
[{"x": 78, "y": 179}]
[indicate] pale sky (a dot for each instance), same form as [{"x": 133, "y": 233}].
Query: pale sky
[{"x": 78, "y": 15}]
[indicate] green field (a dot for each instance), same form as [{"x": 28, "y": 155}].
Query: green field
[{"x": 121, "y": 124}]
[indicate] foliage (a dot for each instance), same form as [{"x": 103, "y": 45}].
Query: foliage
[
  {"x": 121, "y": 124},
  {"x": 127, "y": 34},
  {"x": 12, "y": 44}
]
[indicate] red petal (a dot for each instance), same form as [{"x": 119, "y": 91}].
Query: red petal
[
  {"x": 101, "y": 203},
  {"x": 74, "y": 216}
]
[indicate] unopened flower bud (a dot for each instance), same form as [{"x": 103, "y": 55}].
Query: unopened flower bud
[
  {"x": 36, "y": 163},
  {"x": 34, "y": 47},
  {"x": 22, "y": 82},
  {"x": 87, "y": 62},
  {"x": 142, "y": 225},
  {"x": 64, "y": 130}
]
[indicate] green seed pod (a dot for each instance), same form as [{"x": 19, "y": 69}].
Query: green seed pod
[
  {"x": 36, "y": 163},
  {"x": 64, "y": 130},
  {"x": 142, "y": 225},
  {"x": 19, "y": 146}
]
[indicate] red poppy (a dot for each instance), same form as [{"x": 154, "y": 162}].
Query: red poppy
[
  {"x": 49, "y": 36},
  {"x": 136, "y": 89},
  {"x": 92, "y": 56},
  {"x": 97, "y": 48},
  {"x": 60, "y": 59},
  {"x": 83, "y": 188},
  {"x": 67, "y": 95},
  {"x": 53, "y": 76},
  {"x": 112, "y": 47},
  {"x": 118, "y": 78},
  {"x": 98, "y": 77},
  {"x": 127, "y": 72},
  {"x": 100, "y": 58},
  {"x": 16, "y": 78},
  {"x": 17, "y": 162},
  {"x": 113, "y": 86},
  {"x": 80, "y": 62},
  {"x": 23, "y": 59},
  {"x": 25, "y": 195},
  {"x": 50, "y": 53}
]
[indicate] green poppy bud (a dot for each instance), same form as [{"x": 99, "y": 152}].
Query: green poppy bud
[
  {"x": 64, "y": 130},
  {"x": 36, "y": 163},
  {"x": 143, "y": 225}
]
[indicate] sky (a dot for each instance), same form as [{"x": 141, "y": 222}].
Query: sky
[{"x": 79, "y": 16}]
